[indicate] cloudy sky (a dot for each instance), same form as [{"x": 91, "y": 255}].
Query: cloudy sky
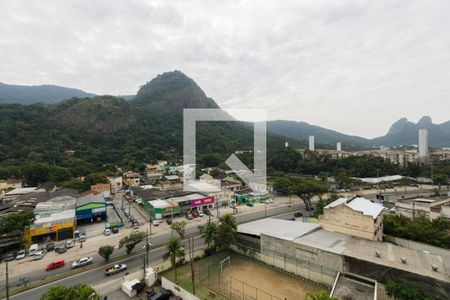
[{"x": 353, "y": 66}]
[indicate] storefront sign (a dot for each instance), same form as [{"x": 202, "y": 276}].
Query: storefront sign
[{"x": 203, "y": 201}]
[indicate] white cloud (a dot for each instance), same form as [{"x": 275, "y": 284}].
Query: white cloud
[{"x": 354, "y": 66}]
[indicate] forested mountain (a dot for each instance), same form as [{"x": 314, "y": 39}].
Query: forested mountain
[
  {"x": 302, "y": 130},
  {"x": 38, "y": 94},
  {"x": 404, "y": 132}
]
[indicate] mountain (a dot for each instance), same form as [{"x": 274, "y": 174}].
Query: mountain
[
  {"x": 404, "y": 132},
  {"x": 38, "y": 94},
  {"x": 302, "y": 130},
  {"x": 169, "y": 93}
]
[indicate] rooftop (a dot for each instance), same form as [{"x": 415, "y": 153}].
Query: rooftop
[
  {"x": 91, "y": 198},
  {"x": 289, "y": 230},
  {"x": 21, "y": 191},
  {"x": 55, "y": 218},
  {"x": 359, "y": 204},
  {"x": 190, "y": 197},
  {"x": 161, "y": 203}
]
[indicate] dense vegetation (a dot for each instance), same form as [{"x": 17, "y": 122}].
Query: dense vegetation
[
  {"x": 420, "y": 229},
  {"x": 403, "y": 291}
]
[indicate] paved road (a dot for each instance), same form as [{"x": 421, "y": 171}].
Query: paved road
[
  {"x": 97, "y": 276},
  {"x": 155, "y": 240}
]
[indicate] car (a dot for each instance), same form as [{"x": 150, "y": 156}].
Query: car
[
  {"x": 61, "y": 249},
  {"x": 55, "y": 265},
  {"x": 115, "y": 269},
  {"x": 194, "y": 214},
  {"x": 268, "y": 201},
  {"x": 69, "y": 244},
  {"x": 208, "y": 212},
  {"x": 82, "y": 238},
  {"x": 115, "y": 230},
  {"x": 200, "y": 214},
  {"x": 107, "y": 231},
  {"x": 82, "y": 262},
  {"x": 250, "y": 204},
  {"x": 155, "y": 222},
  {"x": 135, "y": 225},
  {"x": 39, "y": 255},
  {"x": 232, "y": 206},
  {"x": 10, "y": 257},
  {"x": 50, "y": 247},
  {"x": 21, "y": 254},
  {"x": 169, "y": 221},
  {"x": 33, "y": 249},
  {"x": 298, "y": 214},
  {"x": 189, "y": 216}
]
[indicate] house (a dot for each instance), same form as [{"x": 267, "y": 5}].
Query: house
[
  {"x": 131, "y": 178},
  {"x": 356, "y": 216}
]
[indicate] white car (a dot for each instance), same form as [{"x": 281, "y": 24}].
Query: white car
[
  {"x": 39, "y": 255},
  {"x": 107, "y": 231},
  {"x": 69, "y": 244},
  {"x": 21, "y": 254},
  {"x": 200, "y": 214},
  {"x": 82, "y": 262},
  {"x": 155, "y": 223}
]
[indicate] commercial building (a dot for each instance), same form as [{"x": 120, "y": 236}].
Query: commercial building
[
  {"x": 161, "y": 208},
  {"x": 91, "y": 208},
  {"x": 431, "y": 208},
  {"x": 52, "y": 227},
  {"x": 307, "y": 250},
  {"x": 247, "y": 195},
  {"x": 356, "y": 216}
]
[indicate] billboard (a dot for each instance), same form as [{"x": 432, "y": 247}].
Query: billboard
[{"x": 202, "y": 201}]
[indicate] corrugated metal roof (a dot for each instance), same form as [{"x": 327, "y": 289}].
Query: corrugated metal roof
[
  {"x": 284, "y": 229},
  {"x": 363, "y": 205}
]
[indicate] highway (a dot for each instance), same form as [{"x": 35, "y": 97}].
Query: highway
[{"x": 134, "y": 261}]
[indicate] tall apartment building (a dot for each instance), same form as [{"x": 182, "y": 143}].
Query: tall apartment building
[
  {"x": 311, "y": 143},
  {"x": 423, "y": 146}
]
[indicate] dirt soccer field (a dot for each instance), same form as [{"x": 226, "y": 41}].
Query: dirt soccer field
[{"x": 248, "y": 280}]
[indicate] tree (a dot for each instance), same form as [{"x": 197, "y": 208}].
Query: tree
[
  {"x": 307, "y": 189},
  {"x": 174, "y": 251},
  {"x": 17, "y": 221},
  {"x": 209, "y": 233},
  {"x": 226, "y": 232},
  {"x": 322, "y": 295},
  {"x": 318, "y": 210},
  {"x": 130, "y": 241},
  {"x": 282, "y": 186},
  {"x": 106, "y": 251},
  {"x": 179, "y": 227},
  {"x": 78, "y": 291},
  {"x": 440, "y": 179}
]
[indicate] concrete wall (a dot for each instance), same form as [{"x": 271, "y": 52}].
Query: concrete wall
[
  {"x": 418, "y": 246},
  {"x": 177, "y": 290},
  {"x": 304, "y": 261}
]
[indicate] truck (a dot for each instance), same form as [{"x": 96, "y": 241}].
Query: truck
[{"x": 115, "y": 269}]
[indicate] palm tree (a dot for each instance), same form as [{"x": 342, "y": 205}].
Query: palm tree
[
  {"x": 322, "y": 295},
  {"x": 174, "y": 251},
  {"x": 209, "y": 233},
  {"x": 229, "y": 220}
]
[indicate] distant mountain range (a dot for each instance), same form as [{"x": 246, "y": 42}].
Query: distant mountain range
[{"x": 165, "y": 96}]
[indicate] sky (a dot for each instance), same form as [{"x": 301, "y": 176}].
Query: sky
[{"x": 352, "y": 66}]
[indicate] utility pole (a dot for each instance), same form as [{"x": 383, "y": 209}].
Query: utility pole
[
  {"x": 191, "y": 256},
  {"x": 147, "y": 247},
  {"x": 7, "y": 282}
]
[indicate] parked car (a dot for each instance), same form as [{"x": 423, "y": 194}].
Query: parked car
[
  {"x": 135, "y": 225},
  {"x": 232, "y": 206},
  {"x": 250, "y": 204},
  {"x": 33, "y": 249},
  {"x": 107, "y": 231},
  {"x": 208, "y": 212},
  {"x": 55, "y": 265},
  {"x": 268, "y": 201},
  {"x": 115, "y": 230},
  {"x": 200, "y": 214},
  {"x": 50, "y": 247},
  {"x": 169, "y": 221},
  {"x": 189, "y": 216},
  {"x": 82, "y": 238},
  {"x": 61, "y": 249},
  {"x": 69, "y": 244},
  {"x": 39, "y": 255},
  {"x": 298, "y": 214},
  {"x": 115, "y": 269},
  {"x": 82, "y": 262},
  {"x": 155, "y": 222},
  {"x": 21, "y": 254},
  {"x": 9, "y": 257},
  {"x": 194, "y": 214}
]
